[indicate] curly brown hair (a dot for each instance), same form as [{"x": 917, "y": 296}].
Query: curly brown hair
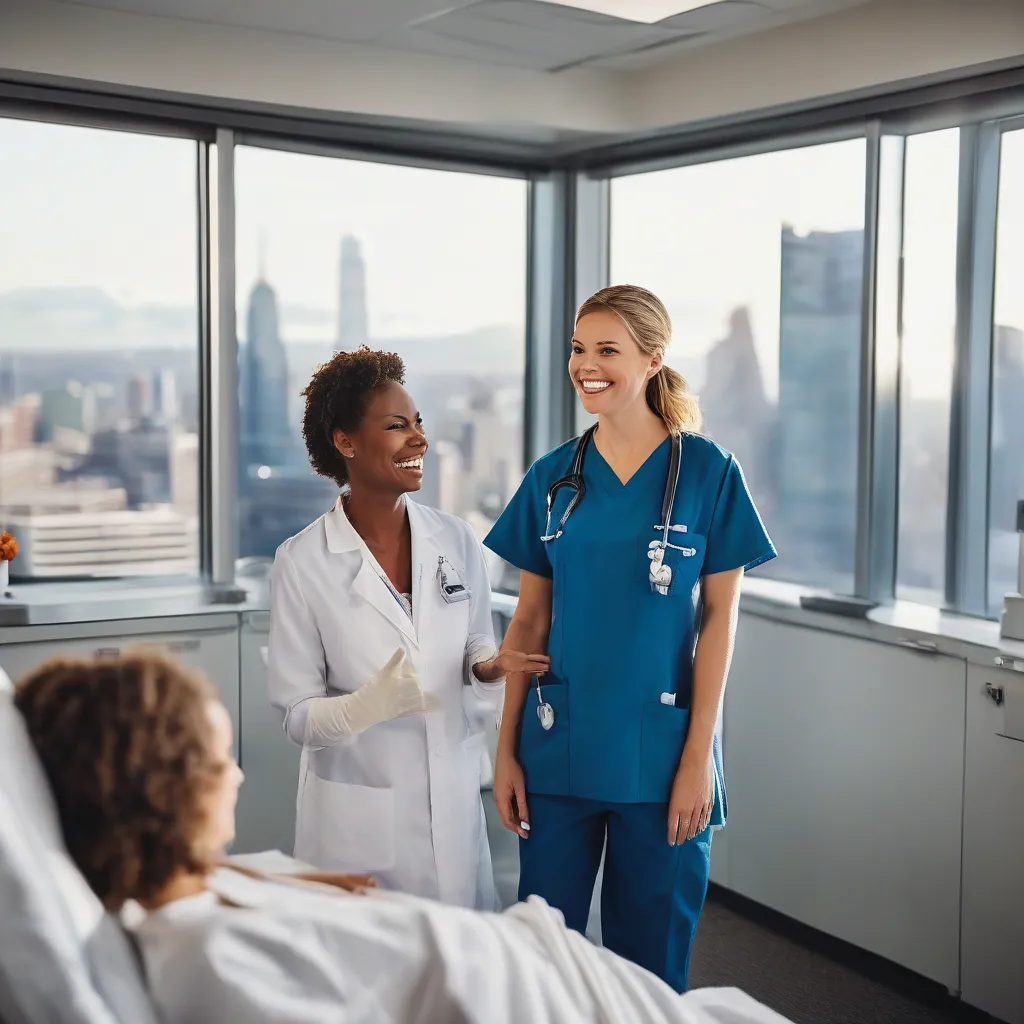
[
  {"x": 336, "y": 399},
  {"x": 127, "y": 745}
]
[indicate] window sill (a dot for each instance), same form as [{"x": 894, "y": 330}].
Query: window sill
[
  {"x": 45, "y": 603},
  {"x": 903, "y": 623}
]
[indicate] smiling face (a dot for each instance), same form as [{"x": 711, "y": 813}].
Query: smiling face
[
  {"x": 385, "y": 454},
  {"x": 607, "y": 367}
]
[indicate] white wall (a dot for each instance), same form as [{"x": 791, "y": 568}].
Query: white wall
[
  {"x": 863, "y": 47},
  {"x": 873, "y": 44}
]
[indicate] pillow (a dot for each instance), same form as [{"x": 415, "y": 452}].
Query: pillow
[{"x": 62, "y": 958}]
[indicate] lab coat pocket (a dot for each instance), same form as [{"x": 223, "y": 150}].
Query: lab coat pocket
[
  {"x": 663, "y": 734},
  {"x": 343, "y": 827},
  {"x": 544, "y": 753},
  {"x": 477, "y": 759}
]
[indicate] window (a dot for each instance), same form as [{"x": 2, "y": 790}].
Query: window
[
  {"x": 99, "y": 446},
  {"x": 760, "y": 263},
  {"x": 1006, "y": 486},
  {"x": 930, "y": 197},
  {"x": 430, "y": 264}
]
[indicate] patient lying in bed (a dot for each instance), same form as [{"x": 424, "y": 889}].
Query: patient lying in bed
[{"x": 138, "y": 752}]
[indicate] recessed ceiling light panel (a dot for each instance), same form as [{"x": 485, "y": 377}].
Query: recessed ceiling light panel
[{"x": 648, "y": 12}]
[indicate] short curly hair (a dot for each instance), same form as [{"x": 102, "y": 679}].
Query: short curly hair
[
  {"x": 128, "y": 747},
  {"x": 336, "y": 399}
]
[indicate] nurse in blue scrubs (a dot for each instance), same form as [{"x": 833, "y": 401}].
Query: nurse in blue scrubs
[{"x": 614, "y": 749}]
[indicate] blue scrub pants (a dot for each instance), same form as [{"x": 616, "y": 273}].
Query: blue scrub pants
[{"x": 652, "y": 893}]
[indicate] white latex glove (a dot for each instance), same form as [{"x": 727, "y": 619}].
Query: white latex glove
[{"x": 394, "y": 692}]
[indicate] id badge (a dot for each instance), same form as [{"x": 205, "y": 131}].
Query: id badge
[{"x": 453, "y": 590}]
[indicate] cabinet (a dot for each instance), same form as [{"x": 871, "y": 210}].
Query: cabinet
[
  {"x": 265, "y": 819},
  {"x": 844, "y": 765},
  {"x": 993, "y": 876},
  {"x": 209, "y": 644}
]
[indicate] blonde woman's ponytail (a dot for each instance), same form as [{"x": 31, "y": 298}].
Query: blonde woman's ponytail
[{"x": 670, "y": 397}]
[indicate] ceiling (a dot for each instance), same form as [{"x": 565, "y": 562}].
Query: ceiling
[{"x": 520, "y": 33}]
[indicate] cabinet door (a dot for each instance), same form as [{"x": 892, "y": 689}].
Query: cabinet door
[
  {"x": 266, "y": 802},
  {"x": 844, "y": 769},
  {"x": 993, "y": 882},
  {"x": 214, "y": 652}
]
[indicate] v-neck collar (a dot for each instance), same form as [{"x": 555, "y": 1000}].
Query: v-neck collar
[{"x": 610, "y": 479}]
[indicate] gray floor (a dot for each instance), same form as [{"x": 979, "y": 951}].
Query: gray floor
[{"x": 730, "y": 949}]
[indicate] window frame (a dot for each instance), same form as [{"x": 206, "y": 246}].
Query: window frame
[
  {"x": 982, "y": 122},
  {"x": 568, "y": 258}
]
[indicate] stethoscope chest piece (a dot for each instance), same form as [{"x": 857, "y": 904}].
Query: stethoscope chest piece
[{"x": 545, "y": 712}]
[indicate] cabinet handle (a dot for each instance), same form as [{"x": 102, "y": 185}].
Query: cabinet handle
[
  {"x": 924, "y": 646},
  {"x": 1005, "y": 661},
  {"x": 183, "y": 645},
  {"x": 107, "y": 652},
  {"x": 995, "y": 694}
]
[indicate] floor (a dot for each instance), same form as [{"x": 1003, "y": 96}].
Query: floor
[{"x": 774, "y": 963}]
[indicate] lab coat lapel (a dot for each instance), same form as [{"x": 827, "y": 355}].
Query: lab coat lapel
[
  {"x": 342, "y": 538},
  {"x": 425, "y": 555}
]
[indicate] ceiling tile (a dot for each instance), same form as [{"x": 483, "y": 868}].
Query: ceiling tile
[
  {"x": 526, "y": 34},
  {"x": 353, "y": 20},
  {"x": 194, "y": 10},
  {"x": 718, "y": 16}
]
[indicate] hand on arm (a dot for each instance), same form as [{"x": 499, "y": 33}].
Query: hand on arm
[
  {"x": 508, "y": 662},
  {"x": 528, "y": 631},
  {"x": 693, "y": 792}
]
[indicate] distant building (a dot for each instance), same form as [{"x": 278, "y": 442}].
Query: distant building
[
  {"x": 264, "y": 434},
  {"x": 737, "y": 412},
  {"x": 99, "y": 540},
  {"x": 353, "y": 326},
  {"x": 819, "y": 374},
  {"x": 1007, "y": 465},
  {"x": 72, "y": 407},
  {"x": 275, "y": 503}
]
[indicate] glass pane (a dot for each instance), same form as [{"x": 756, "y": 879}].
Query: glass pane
[
  {"x": 926, "y": 361},
  {"x": 99, "y": 367},
  {"x": 760, "y": 262},
  {"x": 429, "y": 264},
  {"x": 1007, "y": 464}
]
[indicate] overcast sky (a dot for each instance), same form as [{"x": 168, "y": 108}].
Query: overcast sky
[{"x": 447, "y": 252}]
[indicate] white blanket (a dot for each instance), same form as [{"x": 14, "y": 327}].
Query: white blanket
[{"x": 285, "y": 953}]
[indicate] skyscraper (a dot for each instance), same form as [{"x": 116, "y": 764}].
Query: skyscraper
[
  {"x": 265, "y": 437},
  {"x": 819, "y": 371},
  {"x": 277, "y": 494},
  {"x": 353, "y": 330}
]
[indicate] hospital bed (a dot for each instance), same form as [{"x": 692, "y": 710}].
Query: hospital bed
[{"x": 63, "y": 959}]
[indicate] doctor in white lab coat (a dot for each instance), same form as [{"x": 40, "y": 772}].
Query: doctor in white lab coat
[{"x": 380, "y": 616}]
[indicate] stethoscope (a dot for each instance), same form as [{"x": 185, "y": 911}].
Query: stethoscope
[{"x": 659, "y": 574}]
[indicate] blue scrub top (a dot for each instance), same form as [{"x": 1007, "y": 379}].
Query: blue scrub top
[{"x": 616, "y": 646}]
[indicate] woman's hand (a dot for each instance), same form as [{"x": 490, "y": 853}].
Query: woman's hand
[
  {"x": 693, "y": 797},
  {"x": 510, "y": 795},
  {"x": 507, "y": 663}
]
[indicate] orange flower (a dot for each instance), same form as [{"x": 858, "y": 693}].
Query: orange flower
[{"x": 8, "y": 547}]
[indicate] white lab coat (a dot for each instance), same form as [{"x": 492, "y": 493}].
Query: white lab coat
[
  {"x": 285, "y": 955},
  {"x": 402, "y": 799}
]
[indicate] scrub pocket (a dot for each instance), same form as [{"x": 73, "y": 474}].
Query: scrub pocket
[
  {"x": 544, "y": 753},
  {"x": 686, "y": 565},
  {"x": 663, "y": 734},
  {"x": 343, "y": 827}
]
